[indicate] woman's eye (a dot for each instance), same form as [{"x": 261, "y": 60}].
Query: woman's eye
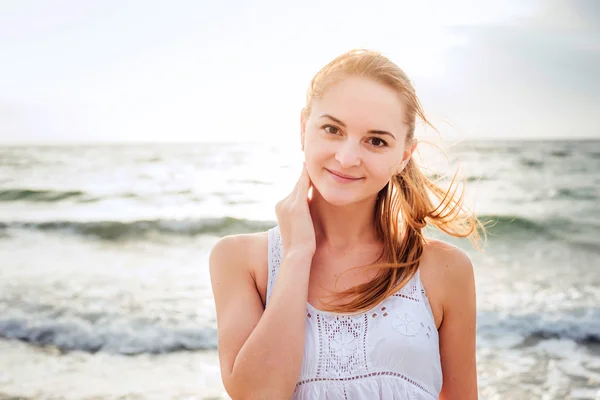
[
  {"x": 377, "y": 142},
  {"x": 331, "y": 129}
]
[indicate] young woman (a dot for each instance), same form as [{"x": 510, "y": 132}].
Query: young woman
[{"x": 345, "y": 298}]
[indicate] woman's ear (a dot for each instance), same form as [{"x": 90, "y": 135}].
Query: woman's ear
[
  {"x": 401, "y": 167},
  {"x": 410, "y": 149}
]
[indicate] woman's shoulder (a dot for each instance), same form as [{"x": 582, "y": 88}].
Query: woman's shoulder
[
  {"x": 241, "y": 254},
  {"x": 447, "y": 274},
  {"x": 451, "y": 264},
  {"x": 241, "y": 250},
  {"x": 446, "y": 256}
]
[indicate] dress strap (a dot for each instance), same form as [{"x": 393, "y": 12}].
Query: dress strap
[
  {"x": 421, "y": 292},
  {"x": 274, "y": 245}
]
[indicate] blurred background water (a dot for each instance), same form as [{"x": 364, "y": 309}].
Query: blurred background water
[{"x": 105, "y": 250}]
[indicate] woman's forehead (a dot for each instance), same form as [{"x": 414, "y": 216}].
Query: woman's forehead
[{"x": 362, "y": 103}]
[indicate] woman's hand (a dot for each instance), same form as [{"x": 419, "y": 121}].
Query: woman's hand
[{"x": 295, "y": 223}]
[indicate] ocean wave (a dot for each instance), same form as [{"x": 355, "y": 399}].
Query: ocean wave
[
  {"x": 503, "y": 224},
  {"x": 477, "y": 178},
  {"x": 579, "y": 325},
  {"x": 447, "y": 178},
  {"x": 130, "y": 337},
  {"x": 38, "y": 195},
  {"x": 531, "y": 163},
  {"x": 54, "y": 196},
  {"x": 138, "y": 336},
  {"x": 496, "y": 225},
  {"x": 141, "y": 229},
  {"x": 500, "y": 225},
  {"x": 587, "y": 193},
  {"x": 560, "y": 153}
]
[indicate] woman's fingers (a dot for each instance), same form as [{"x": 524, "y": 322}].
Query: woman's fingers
[
  {"x": 294, "y": 219},
  {"x": 300, "y": 187},
  {"x": 303, "y": 183}
]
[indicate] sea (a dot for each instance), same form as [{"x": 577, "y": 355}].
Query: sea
[{"x": 104, "y": 283}]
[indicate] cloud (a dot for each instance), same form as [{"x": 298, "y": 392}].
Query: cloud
[
  {"x": 579, "y": 15},
  {"x": 146, "y": 72},
  {"x": 540, "y": 72}
]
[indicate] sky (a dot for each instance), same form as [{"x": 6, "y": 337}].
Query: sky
[{"x": 155, "y": 71}]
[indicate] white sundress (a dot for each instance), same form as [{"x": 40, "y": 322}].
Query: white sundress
[{"x": 390, "y": 352}]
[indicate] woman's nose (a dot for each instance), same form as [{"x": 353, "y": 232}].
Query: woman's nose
[{"x": 348, "y": 154}]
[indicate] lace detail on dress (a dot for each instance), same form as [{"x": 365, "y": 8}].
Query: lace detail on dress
[
  {"x": 342, "y": 345},
  {"x": 368, "y": 375},
  {"x": 410, "y": 291},
  {"x": 393, "y": 346},
  {"x": 274, "y": 258}
]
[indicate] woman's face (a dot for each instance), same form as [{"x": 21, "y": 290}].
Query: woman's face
[{"x": 355, "y": 140}]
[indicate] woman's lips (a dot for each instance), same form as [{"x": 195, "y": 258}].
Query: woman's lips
[{"x": 342, "y": 177}]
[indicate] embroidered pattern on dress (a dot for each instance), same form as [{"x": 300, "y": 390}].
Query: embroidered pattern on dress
[
  {"x": 366, "y": 318},
  {"x": 343, "y": 350},
  {"x": 275, "y": 253},
  {"x": 342, "y": 347},
  {"x": 363, "y": 376},
  {"x": 405, "y": 324},
  {"x": 409, "y": 291}
]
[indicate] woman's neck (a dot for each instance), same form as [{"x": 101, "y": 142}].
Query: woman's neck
[{"x": 342, "y": 227}]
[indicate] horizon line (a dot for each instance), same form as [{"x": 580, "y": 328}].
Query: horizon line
[{"x": 175, "y": 142}]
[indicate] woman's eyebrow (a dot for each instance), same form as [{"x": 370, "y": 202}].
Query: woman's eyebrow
[
  {"x": 333, "y": 119},
  {"x": 375, "y": 132}
]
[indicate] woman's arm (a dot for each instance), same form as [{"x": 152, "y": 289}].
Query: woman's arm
[
  {"x": 458, "y": 329},
  {"x": 260, "y": 351}
]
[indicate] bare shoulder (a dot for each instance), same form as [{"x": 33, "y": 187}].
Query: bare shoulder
[
  {"x": 244, "y": 246},
  {"x": 447, "y": 275},
  {"x": 239, "y": 304},
  {"x": 448, "y": 260},
  {"x": 451, "y": 270},
  {"x": 241, "y": 254}
]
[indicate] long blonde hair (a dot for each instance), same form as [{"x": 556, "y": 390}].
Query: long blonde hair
[{"x": 407, "y": 204}]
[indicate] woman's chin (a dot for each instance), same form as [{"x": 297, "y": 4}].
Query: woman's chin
[{"x": 340, "y": 199}]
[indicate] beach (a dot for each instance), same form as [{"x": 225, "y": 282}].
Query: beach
[
  {"x": 34, "y": 373},
  {"x": 104, "y": 284}
]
